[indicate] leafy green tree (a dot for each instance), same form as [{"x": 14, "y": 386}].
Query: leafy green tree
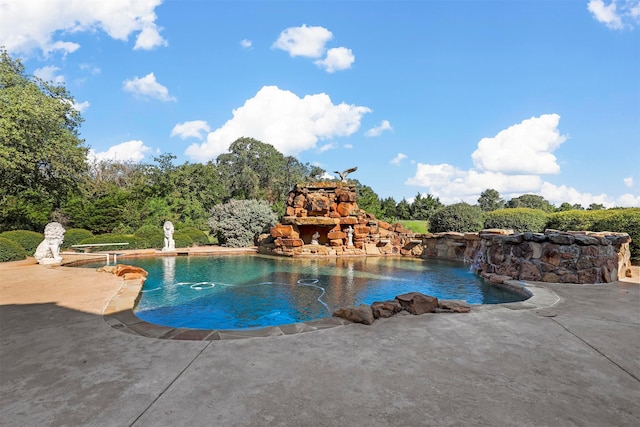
[
  {"x": 490, "y": 200},
  {"x": 565, "y": 206},
  {"x": 596, "y": 207},
  {"x": 532, "y": 201},
  {"x": 423, "y": 207},
  {"x": 368, "y": 199},
  {"x": 388, "y": 208},
  {"x": 255, "y": 170},
  {"x": 403, "y": 209},
  {"x": 42, "y": 158}
]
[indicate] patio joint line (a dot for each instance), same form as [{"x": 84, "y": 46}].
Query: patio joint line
[
  {"x": 596, "y": 350},
  {"x": 170, "y": 384}
]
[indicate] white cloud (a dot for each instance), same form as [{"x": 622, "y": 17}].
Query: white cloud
[
  {"x": 246, "y": 43},
  {"x": 628, "y": 181},
  {"x": 90, "y": 68},
  {"x": 303, "y": 41},
  {"x": 348, "y": 146},
  {"x": 192, "y": 129},
  {"x": 147, "y": 87},
  {"x": 511, "y": 163},
  {"x": 39, "y": 24},
  {"x": 282, "y": 119},
  {"x": 326, "y": 147},
  {"x": 398, "y": 159},
  {"x": 81, "y": 106},
  {"x": 525, "y": 148},
  {"x": 133, "y": 151},
  {"x": 377, "y": 131},
  {"x": 616, "y": 19},
  {"x": 48, "y": 74},
  {"x": 311, "y": 42},
  {"x": 337, "y": 59},
  {"x": 149, "y": 38}
]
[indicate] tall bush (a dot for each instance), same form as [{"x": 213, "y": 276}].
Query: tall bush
[
  {"x": 74, "y": 236},
  {"x": 29, "y": 240},
  {"x": 238, "y": 223},
  {"x": 197, "y": 236},
  {"x": 11, "y": 251},
  {"x": 460, "y": 217},
  {"x": 617, "y": 220},
  {"x": 518, "y": 219}
]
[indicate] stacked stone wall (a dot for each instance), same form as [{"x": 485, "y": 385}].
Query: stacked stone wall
[
  {"x": 552, "y": 256},
  {"x": 321, "y": 218}
]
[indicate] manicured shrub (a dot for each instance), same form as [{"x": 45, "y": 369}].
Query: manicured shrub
[
  {"x": 518, "y": 219},
  {"x": 74, "y": 236},
  {"x": 29, "y": 240},
  {"x": 574, "y": 220},
  {"x": 625, "y": 220},
  {"x": 238, "y": 223},
  {"x": 198, "y": 236},
  {"x": 460, "y": 217},
  {"x": 11, "y": 251},
  {"x": 182, "y": 240},
  {"x": 152, "y": 235}
]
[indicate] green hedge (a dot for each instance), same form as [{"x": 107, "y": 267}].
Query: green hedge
[
  {"x": 74, "y": 236},
  {"x": 29, "y": 240},
  {"x": 518, "y": 219},
  {"x": 11, "y": 251},
  {"x": 460, "y": 217},
  {"x": 182, "y": 240},
  {"x": 152, "y": 235},
  {"x": 618, "y": 220},
  {"x": 197, "y": 236}
]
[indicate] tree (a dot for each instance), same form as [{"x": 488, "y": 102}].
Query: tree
[
  {"x": 490, "y": 200},
  {"x": 255, "y": 170},
  {"x": 596, "y": 207},
  {"x": 403, "y": 209},
  {"x": 42, "y": 159},
  {"x": 388, "y": 207},
  {"x": 423, "y": 207},
  {"x": 368, "y": 200},
  {"x": 532, "y": 201}
]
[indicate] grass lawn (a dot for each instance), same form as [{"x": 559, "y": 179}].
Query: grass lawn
[{"x": 415, "y": 225}]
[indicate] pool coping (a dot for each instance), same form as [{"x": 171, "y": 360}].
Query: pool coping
[{"x": 119, "y": 314}]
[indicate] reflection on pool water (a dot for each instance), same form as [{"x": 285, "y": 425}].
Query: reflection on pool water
[{"x": 241, "y": 292}]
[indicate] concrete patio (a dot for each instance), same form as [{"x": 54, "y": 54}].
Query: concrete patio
[{"x": 574, "y": 361}]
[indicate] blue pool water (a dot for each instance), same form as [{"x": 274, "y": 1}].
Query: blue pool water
[{"x": 241, "y": 292}]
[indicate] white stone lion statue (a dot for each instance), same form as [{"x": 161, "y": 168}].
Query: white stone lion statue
[{"x": 48, "y": 251}]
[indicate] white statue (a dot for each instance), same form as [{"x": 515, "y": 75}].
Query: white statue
[
  {"x": 169, "y": 243},
  {"x": 350, "y": 236},
  {"x": 48, "y": 251},
  {"x": 314, "y": 238}
]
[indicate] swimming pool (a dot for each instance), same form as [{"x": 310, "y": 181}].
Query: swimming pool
[{"x": 253, "y": 291}]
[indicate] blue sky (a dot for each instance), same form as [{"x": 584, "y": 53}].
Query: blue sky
[{"x": 442, "y": 97}]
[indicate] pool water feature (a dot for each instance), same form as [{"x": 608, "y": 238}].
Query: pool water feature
[{"x": 253, "y": 291}]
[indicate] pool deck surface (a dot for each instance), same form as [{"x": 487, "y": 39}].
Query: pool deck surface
[{"x": 570, "y": 359}]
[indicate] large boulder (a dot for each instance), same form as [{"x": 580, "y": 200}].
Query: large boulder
[
  {"x": 122, "y": 269},
  {"x": 417, "y": 303},
  {"x": 385, "y": 309},
  {"x": 360, "y": 314}
]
